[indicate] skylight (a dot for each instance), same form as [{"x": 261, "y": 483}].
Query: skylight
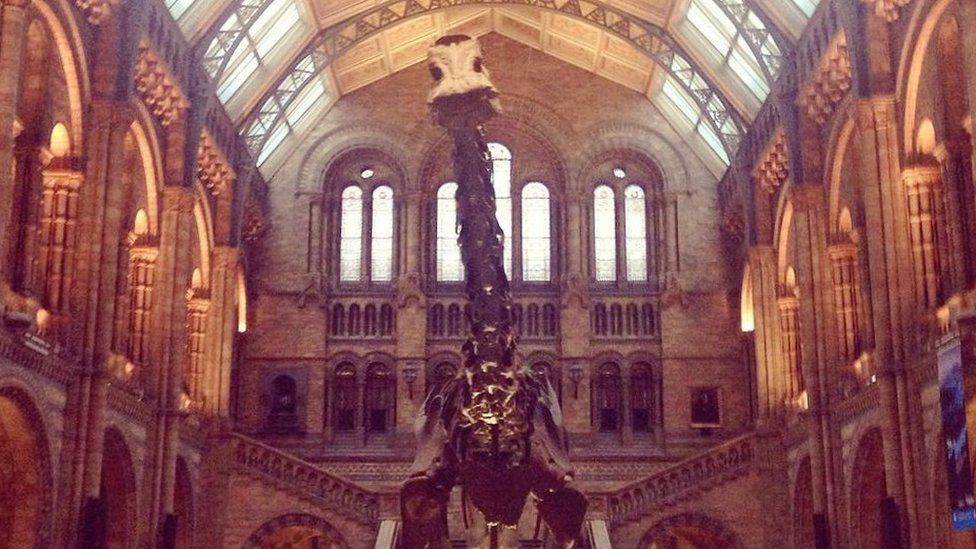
[
  {"x": 179, "y": 7},
  {"x": 677, "y": 98},
  {"x": 728, "y": 41}
]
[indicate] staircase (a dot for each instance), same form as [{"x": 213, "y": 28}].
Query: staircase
[
  {"x": 678, "y": 483},
  {"x": 681, "y": 482},
  {"x": 304, "y": 479}
]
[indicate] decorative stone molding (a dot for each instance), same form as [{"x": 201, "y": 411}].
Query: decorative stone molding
[
  {"x": 831, "y": 82},
  {"x": 254, "y": 225},
  {"x": 888, "y": 9},
  {"x": 97, "y": 11},
  {"x": 305, "y": 479},
  {"x": 773, "y": 167},
  {"x": 157, "y": 87},
  {"x": 683, "y": 481},
  {"x": 213, "y": 169}
]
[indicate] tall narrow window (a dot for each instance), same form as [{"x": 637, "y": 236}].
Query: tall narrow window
[
  {"x": 635, "y": 233},
  {"x": 536, "y": 237},
  {"x": 351, "y": 235},
  {"x": 345, "y": 398},
  {"x": 607, "y": 398},
  {"x": 379, "y": 398},
  {"x": 448, "y": 252},
  {"x": 501, "y": 180},
  {"x": 605, "y": 234},
  {"x": 381, "y": 256},
  {"x": 641, "y": 398}
]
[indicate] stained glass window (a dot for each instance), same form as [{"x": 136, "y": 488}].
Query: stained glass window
[
  {"x": 381, "y": 232},
  {"x": 449, "y": 267},
  {"x": 635, "y": 233},
  {"x": 605, "y": 234},
  {"x": 536, "y": 236},
  {"x": 351, "y": 235}
]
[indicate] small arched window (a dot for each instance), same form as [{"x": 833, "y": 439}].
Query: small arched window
[
  {"x": 379, "y": 399},
  {"x": 381, "y": 233},
  {"x": 351, "y": 235},
  {"x": 605, "y": 234},
  {"x": 345, "y": 398},
  {"x": 448, "y": 254},
  {"x": 642, "y": 399},
  {"x": 607, "y": 398},
  {"x": 536, "y": 234}
]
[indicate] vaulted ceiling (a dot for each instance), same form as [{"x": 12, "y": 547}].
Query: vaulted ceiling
[{"x": 278, "y": 65}]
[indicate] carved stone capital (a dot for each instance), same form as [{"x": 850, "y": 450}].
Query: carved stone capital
[
  {"x": 889, "y": 10},
  {"x": 97, "y": 11},
  {"x": 925, "y": 176},
  {"x": 213, "y": 170},
  {"x": 829, "y": 83}
]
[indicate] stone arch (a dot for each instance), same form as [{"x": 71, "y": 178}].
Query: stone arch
[
  {"x": 117, "y": 494},
  {"x": 203, "y": 219},
  {"x": 512, "y": 128},
  {"x": 696, "y": 531},
  {"x": 627, "y": 136},
  {"x": 837, "y": 155},
  {"x": 66, "y": 39},
  {"x": 296, "y": 531},
  {"x": 803, "y": 528},
  {"x": 149, "y": 150},
  {"x": 26, "y": 476},
  {"x": 913, "y": 58},
  {"x": 782, "y": 241},
  {"x": 331, "y": 147},
  {"x": 868, "y": 489},
  {"x": 184, "y": 505}
]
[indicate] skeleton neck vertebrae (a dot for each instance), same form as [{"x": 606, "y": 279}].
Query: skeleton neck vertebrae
[{"x": 496, "y": 429}]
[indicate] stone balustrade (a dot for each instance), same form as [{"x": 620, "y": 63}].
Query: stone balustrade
[
  {"x": 681, "y": 482},
  {"x": 289, "y": 473}
]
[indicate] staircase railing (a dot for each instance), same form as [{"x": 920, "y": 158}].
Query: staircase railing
[
  {"x": 682, "y": 481},
  {"x": 305, "y": 479}
]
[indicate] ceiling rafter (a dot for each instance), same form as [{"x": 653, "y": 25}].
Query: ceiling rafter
[{"x": 652, "y": 40}]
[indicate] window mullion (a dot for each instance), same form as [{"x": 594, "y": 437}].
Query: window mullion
[
  {"x": 516, "y": 240},
  {"x": 621, "y": 233},
  {"x": 366, "y": 276}
]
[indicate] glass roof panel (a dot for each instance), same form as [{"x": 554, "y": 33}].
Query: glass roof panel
[{"x": 179, "y": 7}]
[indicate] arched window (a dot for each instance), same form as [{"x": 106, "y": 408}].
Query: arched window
[
  {"x": 635, "y": 233},
  {"x": 435, "y": 320},
  {"x": 536, "y": 234},
  {"x": 283, "y": 415},
  {"x": 449, "y": 268},
  {"x": 607, "y": 398},
  {"x": 345, "y": 398},
  {"x": 439, "y": 376},
  {"x": 351, "y": 235},
  {"x": 642, "y": 399},
  {"x": 381, "y": 233},
  {"x": 379, "y": 398},
  {"x": 501, "y": 180},
  {"x": 605, "y": 234},
  {"x": 338, "y": 319}
]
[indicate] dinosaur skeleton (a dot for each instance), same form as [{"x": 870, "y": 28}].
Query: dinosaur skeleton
[{"x": 495, "y": 429}]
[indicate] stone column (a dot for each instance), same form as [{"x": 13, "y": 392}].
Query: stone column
[
  {"x": 923, "y": 186},
  {"x": 574, "y": 317},
  {"x": 196, "y": 362},
  {"x": 57, "y": 233},
  {"x": 789, "y": 327},
  {"x": 770, "y": 380},
  {"x": 815, "y": 325},
  {"x": 142, "y": 282},
  {"x": 847, "y": 307},
  {"x": 221, "y": 327},
  {"x": 12, "y": 32},
  {"x": 892, "y": 289}
]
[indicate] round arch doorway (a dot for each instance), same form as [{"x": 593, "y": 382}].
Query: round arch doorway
[{"x": 23, "y": 473}]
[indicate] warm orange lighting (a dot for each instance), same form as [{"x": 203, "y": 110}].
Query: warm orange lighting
[
  {"x": 141, "y": 224},
  {"x": 60, "y": 142},
  {"x": 241, "y": 304},
  {"x": 42, "y": 317},
  {"x": 747, "y": 314}
]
